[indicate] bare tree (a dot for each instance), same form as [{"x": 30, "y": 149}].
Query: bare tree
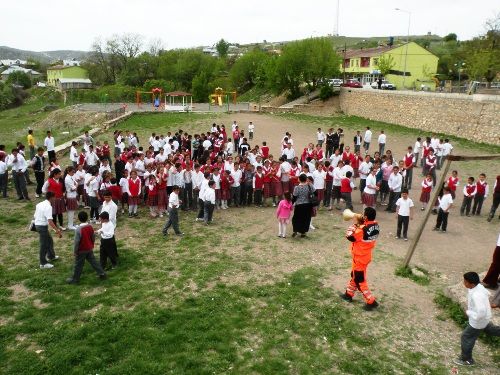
[{"x": 156, "y": 46}]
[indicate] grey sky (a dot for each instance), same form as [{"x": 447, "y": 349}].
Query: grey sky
[{"x": 74, "y": 24}]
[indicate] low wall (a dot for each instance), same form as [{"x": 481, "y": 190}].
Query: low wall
[
  {"x": 64, "y": 147},
  {"x": 474, "y": 117}
]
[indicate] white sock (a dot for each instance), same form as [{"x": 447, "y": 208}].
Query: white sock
[
  {"x": 279, "y": 228},
  {"x": 283, "y": 229},
  {"x": 71, "y": 216}
]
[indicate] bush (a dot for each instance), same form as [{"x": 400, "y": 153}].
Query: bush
[
  {"x": 109, "y": 94},
  {"x": 325, "y": 92},
  {"x": 19, "y": 78}
]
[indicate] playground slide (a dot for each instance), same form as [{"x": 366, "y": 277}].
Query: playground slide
[{"x": 219, "y": 100}]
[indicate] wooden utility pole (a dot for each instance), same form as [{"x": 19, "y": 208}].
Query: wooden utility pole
[{"x": 435, "y": 193}]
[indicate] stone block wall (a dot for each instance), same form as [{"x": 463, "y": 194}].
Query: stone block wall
[{"x": 472, "y": 117}]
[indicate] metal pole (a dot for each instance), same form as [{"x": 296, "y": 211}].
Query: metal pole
[
  {"x": 406, "y": 51},
  {"x": 343, "y": 62},
  {"x": 459, "y": 66},
  {"x": 430, "y": 206}
]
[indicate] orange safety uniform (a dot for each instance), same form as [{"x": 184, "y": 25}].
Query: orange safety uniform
[{"x": 363, "y": 238}]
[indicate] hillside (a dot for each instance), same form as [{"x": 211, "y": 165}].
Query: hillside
[{"x": 45, "y": 57}]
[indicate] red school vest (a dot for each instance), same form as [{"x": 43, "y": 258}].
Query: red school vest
[
  {"x": 481, "y": 188},
  {"x": 452, "y": 183},
  {"x": 408, "y": 160},
  {"x": 345, "y": 185},
  {"x": 259, "y": 181},
  {"x": 265, "y": 151},
  {"x": 470, "y": 189},
  {"x": 55, "y": 187},
  {"x": 134, "y": 187}
]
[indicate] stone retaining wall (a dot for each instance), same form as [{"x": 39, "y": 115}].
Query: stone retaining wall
[
  {"x": 64, "y": 147},
  {"x": 474, "y": 117}
]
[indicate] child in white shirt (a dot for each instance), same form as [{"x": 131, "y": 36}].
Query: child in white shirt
[{"x": 404, "y": 213}]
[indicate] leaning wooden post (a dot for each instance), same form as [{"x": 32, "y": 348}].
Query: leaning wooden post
[{"x": 430, "y": 206}]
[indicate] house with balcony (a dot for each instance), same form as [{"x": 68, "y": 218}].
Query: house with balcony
[{"x": 412, "y": 65}]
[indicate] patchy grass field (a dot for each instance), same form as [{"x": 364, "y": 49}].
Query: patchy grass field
[{"x": 232, "y": 297}]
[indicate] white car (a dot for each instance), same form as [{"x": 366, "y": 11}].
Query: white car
[
  {"x": 335, "y": 82},
  {"x": 386, "y": 85}
]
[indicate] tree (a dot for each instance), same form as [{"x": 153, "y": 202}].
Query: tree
[
  {"x": 385, "y": 64},
  {"x": 302, "y": 62},
  {"x": 450, "y": 37},
  {"x": 247, "y": 71},
  {"x": 19, "y": 78},
  {"x": 222, "y": 48},
  {"x": 482, "y": 54},
  {"x": 200, "y": 87}
]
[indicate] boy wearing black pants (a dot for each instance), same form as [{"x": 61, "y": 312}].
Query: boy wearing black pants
[
  {"x": 445, "y": 203},
  {"x": 107, "y": 248},
  {"x": 83, "y": 249},
  {"x": 469, "y": 193}
]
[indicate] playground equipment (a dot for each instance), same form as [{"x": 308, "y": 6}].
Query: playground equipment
[
  {"x": 172, "y": 106},
  {"x": 155, "y": 93},
  {"x": 217, "y": 98}
]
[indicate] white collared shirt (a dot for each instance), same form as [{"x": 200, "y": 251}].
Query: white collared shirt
[
  {"x": 209, "y": 195},
  {"x": 19, "y": 165},
  {"x": 43, "y": 213},
  {"x": 49, "y": 143},
  {"x": 173, "y": 200},
  {"x": 111, "y": 208},
  {"x": 478, "y": 307},
  {"x": 107, "y": 230}
]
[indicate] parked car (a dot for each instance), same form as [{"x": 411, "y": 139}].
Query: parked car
[
  {"x": 353, "y": 83},
  {"x": 335, "y": 82},
  {"x": 386, "y": 85}
]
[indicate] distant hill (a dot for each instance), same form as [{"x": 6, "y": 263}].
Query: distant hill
[{"x": 45, "y": 57}]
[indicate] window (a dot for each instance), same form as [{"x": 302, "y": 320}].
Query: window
[
  {"x": 347, "y": 63},
  {"x": 365, "y": 62}
]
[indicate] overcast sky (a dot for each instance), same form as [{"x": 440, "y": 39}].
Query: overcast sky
[{"x": 73, "y": 24}]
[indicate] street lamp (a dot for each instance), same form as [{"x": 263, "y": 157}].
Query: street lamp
[
  {"x": 407, "y": 41},
  {"x": 459, "y": 66}
]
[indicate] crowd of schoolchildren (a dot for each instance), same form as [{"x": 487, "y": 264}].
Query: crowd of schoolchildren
[{"x": 220, "y": 169}]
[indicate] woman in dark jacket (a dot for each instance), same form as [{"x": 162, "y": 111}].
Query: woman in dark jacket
[{"x": 301, "y": 219}]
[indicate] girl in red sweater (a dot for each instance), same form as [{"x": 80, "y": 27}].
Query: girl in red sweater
[
  {"x": 56, "y": 186},
  {"x": 134, "y": 188}
]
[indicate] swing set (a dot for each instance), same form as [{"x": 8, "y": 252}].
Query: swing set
[{"x": 155, "y": 93}]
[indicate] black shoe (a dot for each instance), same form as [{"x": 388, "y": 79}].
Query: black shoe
[
  {"x": 294, "y": 234},
  {"x": 370, "y": 306},
  {"x": 20, "y": 198},
  {"x": 303, "y": 235},
  {"x": 490, "y": 217},
  {"x": 103, "y": 276},
  {"x": 71, "y": 281},
  {"x": 346, "y": 297},
  {"x": 165, "y": 234}
]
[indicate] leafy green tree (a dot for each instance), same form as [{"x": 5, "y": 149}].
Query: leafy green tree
[
  {"x": 450, "y": 37},
  {"x": 222, "y": 48},
  {"x": 321, "y": 61},
  {"x": 19, "y": 78},
  {"x": 247, "y": 70},
  {"x": 201, "y": 90},
  {"x": 482, "y": 54},
  {"x": 6, "y": 96},
  {"x": 385, "y": 64}
]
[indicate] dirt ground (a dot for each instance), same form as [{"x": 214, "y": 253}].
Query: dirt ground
[{"x": 408, "y": 310}]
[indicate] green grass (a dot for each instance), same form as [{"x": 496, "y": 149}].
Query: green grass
[
  {"x": 214, "y": 301},
  {"x": 453, "y": 310},
  {"x": 407, "y": 273},
  {"x": 255, "y": 94},
  {"x": 14, "y": 123},
  {"x": 354, "y": 123}
]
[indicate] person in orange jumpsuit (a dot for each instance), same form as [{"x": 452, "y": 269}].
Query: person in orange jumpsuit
[{"x": 363, "y": 236}]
